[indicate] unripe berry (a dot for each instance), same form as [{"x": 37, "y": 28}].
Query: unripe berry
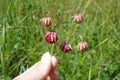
[
  {"x": 77, "y": 18},
  {"x": 82, "y": 46},
  {"x": 65, "y": 47},
  {"x": 51, "y": 37},
  {"x": 46, "y": 21}
]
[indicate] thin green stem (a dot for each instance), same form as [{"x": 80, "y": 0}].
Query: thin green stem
[
  {"x": 73, "y": 34},
  {"x": 52, "y": 48},
  {"x": 86, "y": 6},
  {"x": 89, "y": 76},
  {"x": 3, "y": 51},
  {"x": 81, "y": 37}
]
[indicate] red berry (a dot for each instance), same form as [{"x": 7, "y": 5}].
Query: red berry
[
  {"x": 46, "y": 21},
  {"x": 51, "y": 37},
  {"x": 82, "y": 46},
  {"x": 65, "y": 47},
  {"x": 77, "y": 18}
]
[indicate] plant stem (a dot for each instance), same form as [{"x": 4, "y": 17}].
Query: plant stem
[
  {"x": 3, "y": 62},
  {"x": 87, "y": 6},
  {"x": 74, "y": 32},
  {"x": 89, "y": 76},
  {"x": 52, "y": 48}
]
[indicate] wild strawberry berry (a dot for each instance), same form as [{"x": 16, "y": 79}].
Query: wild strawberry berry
[
  {"x": 77, "y": 18},
  {"x": 46, "y": 21},
  {"x": 65, "y": 47},
  {"x": 82, "y": 46},
  {"x": 51, "y": 37}
]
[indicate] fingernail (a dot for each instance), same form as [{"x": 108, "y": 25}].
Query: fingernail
[{"x": 46, "y": 58}]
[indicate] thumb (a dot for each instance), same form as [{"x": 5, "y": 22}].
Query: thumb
[
  {"x": 39, "y": 71},
  {"x": 44, "y": 66}
]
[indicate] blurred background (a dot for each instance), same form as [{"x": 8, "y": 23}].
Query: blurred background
[{"x": 22, "y": 37}]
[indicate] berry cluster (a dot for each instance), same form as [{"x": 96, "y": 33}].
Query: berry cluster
[{"x": 51, "y": 37}]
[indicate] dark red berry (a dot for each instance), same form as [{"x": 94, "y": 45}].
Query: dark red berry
[
  {"x": 46, "y": 21},
  {"x": 82, "y": 46},
  {"x": 77, "y": 18},
  {"x": 65, "y": 47},
  {"x": 51, "y": 37}
]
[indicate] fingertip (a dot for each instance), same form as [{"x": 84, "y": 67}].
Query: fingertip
[
  {"x": 46, "y": 58},
  {"x": 54, "y": 62},
  {"x": 44, "y": 66}
]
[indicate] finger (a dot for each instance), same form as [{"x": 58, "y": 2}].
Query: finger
[
  {"x": 54, "y": 62},
  {"x": 54, "y": 75},
  {"x": 48, "y": 78},
  {"x": 44, "y": 66},
  {"x": 54, "y": 65},
  {"x": 33, "y": 67},
  {"x": 39, "y": 71}
]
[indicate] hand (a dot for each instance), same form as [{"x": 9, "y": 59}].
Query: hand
[{"x": 42, "y": 70}]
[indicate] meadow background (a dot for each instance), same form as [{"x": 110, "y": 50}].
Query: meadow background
[{"x": 22, "y": 37}]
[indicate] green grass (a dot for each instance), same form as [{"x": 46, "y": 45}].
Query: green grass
[{"x": 22, "y": 37}]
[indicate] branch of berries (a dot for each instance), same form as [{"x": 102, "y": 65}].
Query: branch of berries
[{"x": 51, "y": 37}]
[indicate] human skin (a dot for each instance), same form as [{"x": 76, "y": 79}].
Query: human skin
[{"x": 45, "y": 69}]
